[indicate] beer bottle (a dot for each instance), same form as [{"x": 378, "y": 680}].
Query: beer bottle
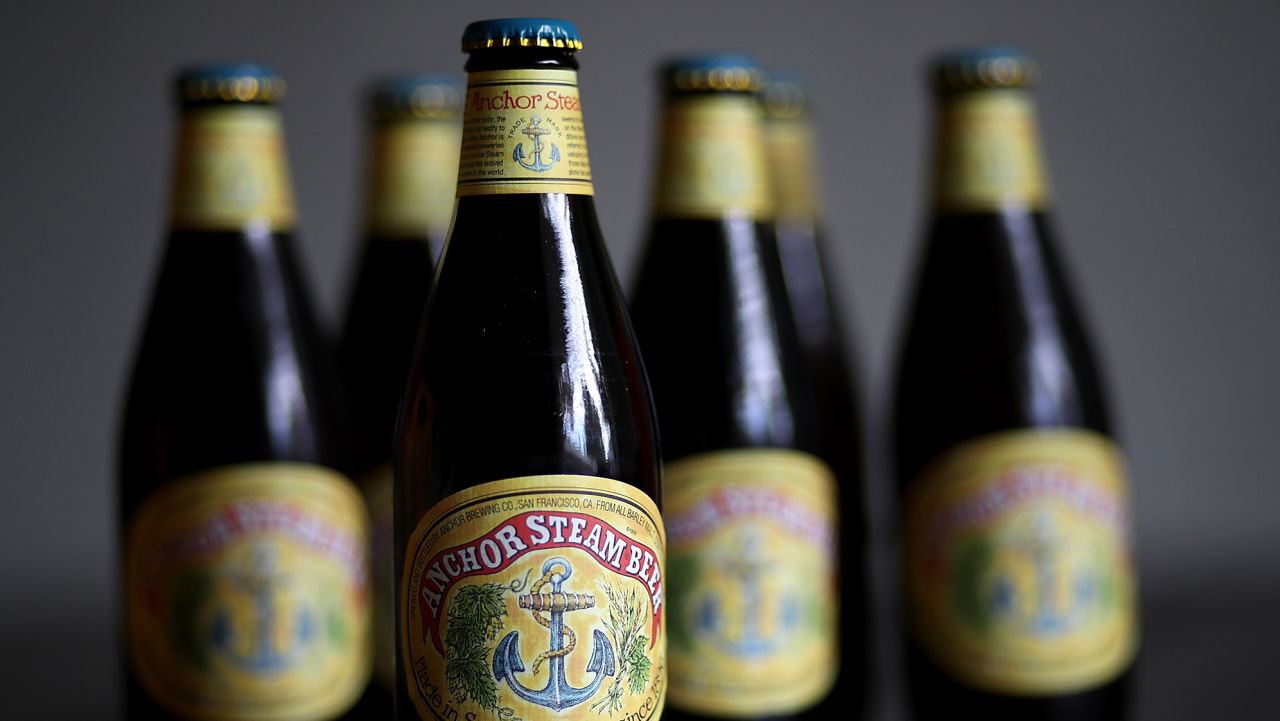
[
  {"x": 527, "y": 476},
  {"x": 1019, "y": 582},
  {"x": 751, "y": 507},
  {"x": 792, "y": 159},
  {"x": 413, "y": 165},
  {"x": 245, "y": 569}
]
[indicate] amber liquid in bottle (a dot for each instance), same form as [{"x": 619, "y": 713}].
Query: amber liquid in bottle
[
  {"x": 995, "y": 348},
  {"x": 741, "y": 426},
  {"x": 526, "y": 367},
  {"x": 231, "y": 412}
]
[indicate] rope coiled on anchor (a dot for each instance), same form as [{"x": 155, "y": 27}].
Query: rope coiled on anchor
[{"x": 538, "y": 604}]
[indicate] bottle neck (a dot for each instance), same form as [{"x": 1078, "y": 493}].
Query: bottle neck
[
  {"x": 987, "y": 154},
  {"x": 231, "y": 173},
  {"x": 792, "y": 158},
  {"x": 712, "y": 158},
  {"x": 413, "y": 173},
  {"x": 522, "y": 133}
]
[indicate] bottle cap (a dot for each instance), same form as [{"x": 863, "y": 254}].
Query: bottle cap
[
  {"x": 229, "y": 83},
  {"x": 416, "y": 96},
  {"x": 724, "y": 72},
  {"x": 990, "y": 66},
  {"x": 785, "y": 95},
  {"x": 521, "y": 33}
]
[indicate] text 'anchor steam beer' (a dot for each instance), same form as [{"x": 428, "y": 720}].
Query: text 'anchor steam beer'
[
  {"x": 528, "y": 537},
  {"x": 1019, "y": 580}
]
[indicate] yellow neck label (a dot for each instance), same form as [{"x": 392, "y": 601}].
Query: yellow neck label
[
  {"x": 712, "y": 162},
  {"x": 793, "y": 161},
  {"x": 1018, "y": 568},
  {"x": 413, "y": 173},
  {"x": 987, "y": 153},
  {"x": 247, "y": 594},
  {"x": 231, "y": 171},
  {"x": 753, "y": 582},
  {"x": 522, "y": 132},
  {"x": 539, "y": 598}
]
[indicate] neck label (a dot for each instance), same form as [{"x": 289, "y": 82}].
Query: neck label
[
  {"x": 412, "y": 175},
  {"x": 522, "y": 132},
  {"x": 231, "y": 171},
  {"x": 712, "y": 159},
  {"x": 793, "y": 161},
  {"x": 988, "y": 153}
]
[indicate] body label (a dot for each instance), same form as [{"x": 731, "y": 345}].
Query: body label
[
  {"x": 712, "y": 160},
  {"x": 246, "y": 591},
  {"x": 522, "y": 132},
  {"x": 1018, "y": 568},
  {"x": 752, "y": 563},
  {"x": 413, "y": 174},
  {"x": 530, "y": 597},
  {"x": 988, "y": 153},
  {"x": 378, "y": 490},
  {"x": 231, "y": 170}
]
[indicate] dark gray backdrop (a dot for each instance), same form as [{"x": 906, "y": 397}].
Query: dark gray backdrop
[{"x": 1160, "y": 120}]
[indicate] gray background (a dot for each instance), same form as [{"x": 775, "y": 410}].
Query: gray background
[{"x": 1160, "y": 120}]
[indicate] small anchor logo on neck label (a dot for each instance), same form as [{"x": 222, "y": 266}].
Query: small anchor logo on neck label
[
  {"x": 274, "y": 635},
  {"x": 558, "y": 694},
  {"x": 535, "y": 131}
]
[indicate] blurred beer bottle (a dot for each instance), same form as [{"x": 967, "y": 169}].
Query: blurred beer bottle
[
  {"x": 792, "y": 145},
  {"x": 245, "y": 568},
  {"x": 412, "y": 175},
  {"x": 751, "y": 507},
  {"x": 1020, "y": 587},
  {"x": 527, "y": 473}
]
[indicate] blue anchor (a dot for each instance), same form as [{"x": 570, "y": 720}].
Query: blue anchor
[
  {"x": 751, "y": 642},
  {"x": 557, "y": 694},
  {"x": 260, "y": 583},
  {"x": 536, "y": 131}
]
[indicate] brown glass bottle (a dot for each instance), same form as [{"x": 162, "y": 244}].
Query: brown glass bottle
[
  {"x": 793, "y": 165},
  {"x": 527, "y": 413},
  {"x": 245, "y": 552},
  {"x": 751, "y": 507},
  {"x": 1020, "y": 598},
  {"x": 412, "y": 175}
]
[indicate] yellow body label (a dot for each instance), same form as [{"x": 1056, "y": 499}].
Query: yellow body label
[
  {"x": 522, "y": 132},
  {"x": 1018, "y": 567},
  {"x": 752, "y": 565},
  {"x": 988, "y": 153},
  {"x": 534, "y": 597},
  {"x": 247, "y": 597},
  {"x": 712, "y": 159},
  {"x": 412, "y": 178},
  {"x": 231, "y": 170},
  {"x": 793, "y": 161},
  {"x": 377, "y": 487}
]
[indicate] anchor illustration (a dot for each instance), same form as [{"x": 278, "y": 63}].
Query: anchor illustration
[
  {"x": 260, "y": 582},
  {"x": 535, "y": 131},
  {"x": 749, "y": 573},
  {"x": 558, "y": 694},
  {"x": 1042, "y": 547}
]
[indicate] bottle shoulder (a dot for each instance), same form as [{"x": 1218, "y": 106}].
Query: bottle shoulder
[{"x": 994, "y": 339}]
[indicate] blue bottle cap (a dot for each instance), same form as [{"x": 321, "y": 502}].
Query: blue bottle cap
[
  {"x": 229, "y": 83},
  {"x": 988, "y": 66},
  {"x": 521, "y": 33},
  {"x": 719, "y": 72},
  {"x": 420, "y": 95},
  {"x": 785, "y": 94}
]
